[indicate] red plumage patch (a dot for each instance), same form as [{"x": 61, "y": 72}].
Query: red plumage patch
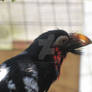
[{"x": 57, "y": 58}]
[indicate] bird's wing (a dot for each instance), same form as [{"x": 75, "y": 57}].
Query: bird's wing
[{"x": 18, "y": 77}]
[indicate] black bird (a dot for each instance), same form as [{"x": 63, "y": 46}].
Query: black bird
[{"x": 35, "y": 69}]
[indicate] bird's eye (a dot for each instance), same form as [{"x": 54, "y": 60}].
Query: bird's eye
[{"x": 63, "y": 40}]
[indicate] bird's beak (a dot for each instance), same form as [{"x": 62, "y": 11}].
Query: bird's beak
[
  {"x": 76, "y": 41},
  {"x": 81, "y": 40}
]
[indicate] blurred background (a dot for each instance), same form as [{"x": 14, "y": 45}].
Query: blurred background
[{"x": 22, "y": 21}]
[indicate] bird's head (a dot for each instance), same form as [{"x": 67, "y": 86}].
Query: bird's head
[
  {"x": 71, "y": 42},
  {"x": 48, "y": 51},
  {"x": 57, "y": 43}
]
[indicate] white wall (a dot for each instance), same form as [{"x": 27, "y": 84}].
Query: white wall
[{"x": 86, "y": 59}]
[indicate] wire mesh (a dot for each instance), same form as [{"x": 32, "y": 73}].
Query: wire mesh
[
  {"x": 26, "y": 19},
  {"x": 86, "y": 65}
]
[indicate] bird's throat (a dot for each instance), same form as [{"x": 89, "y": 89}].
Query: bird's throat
[{"x": 58, "y": 61}]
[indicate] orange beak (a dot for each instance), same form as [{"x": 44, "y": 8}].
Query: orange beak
[{"x": 82, "y": 39}]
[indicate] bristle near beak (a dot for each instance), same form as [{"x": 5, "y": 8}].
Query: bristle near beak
[
  {"x": 76, "y": 41},
  {"x": 82, "y": 39}
]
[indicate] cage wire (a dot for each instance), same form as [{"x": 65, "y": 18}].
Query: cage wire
[
  {"x": 85, "y": 83},
  {"x": 24, "y": 20}
]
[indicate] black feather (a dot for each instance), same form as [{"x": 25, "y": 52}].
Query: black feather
[
  {"x": 79, "y": 52},
  {"x": 28, "y": 72}
]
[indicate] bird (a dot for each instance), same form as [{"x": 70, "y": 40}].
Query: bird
[{"x": 38, "y": 66}]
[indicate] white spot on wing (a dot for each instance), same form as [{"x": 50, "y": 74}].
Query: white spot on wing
[
  {"x": 30, "y": 84},
  {"x": 3, "y": 72},
  {"x": 32, "y": 69},
  {"x": 11, "y": 85},
  {"x": 29, "y": 69}
]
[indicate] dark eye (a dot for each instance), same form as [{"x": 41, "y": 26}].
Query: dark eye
[{"x": 63, "y": 40}]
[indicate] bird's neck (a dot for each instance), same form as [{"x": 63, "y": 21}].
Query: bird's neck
[
  {"x": 58, "y": 59},
  {"x": 47, "y": 68}
]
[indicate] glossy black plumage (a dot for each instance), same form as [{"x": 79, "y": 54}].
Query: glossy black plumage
[{"x": 33, "y": 71}]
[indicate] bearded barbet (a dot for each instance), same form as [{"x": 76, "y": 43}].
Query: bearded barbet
[{"x": 37, "y": 67}]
